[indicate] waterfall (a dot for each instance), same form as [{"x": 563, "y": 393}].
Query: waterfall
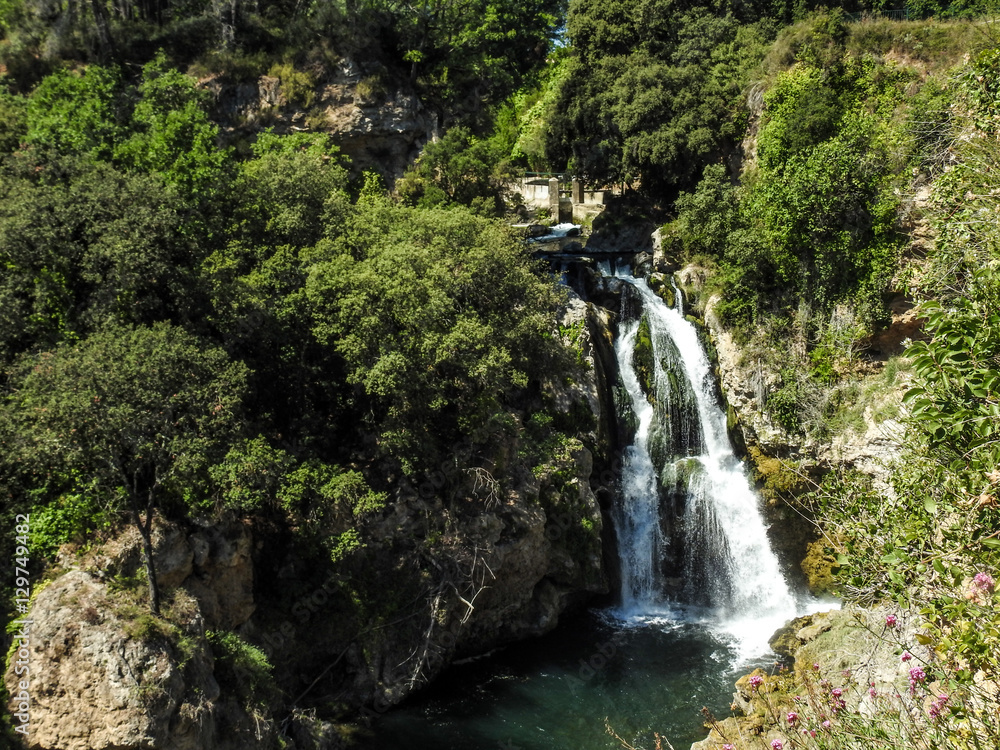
[{"x": 691, "y": 535}]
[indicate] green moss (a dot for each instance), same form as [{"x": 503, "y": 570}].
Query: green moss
[
  {"x": 818, "y": 567},
  {"x": 642, "y": 359},
  {"x": 732, "y": 419},
  {"x": 778, "y": 480},
  {"x": 663, "y": 290}
]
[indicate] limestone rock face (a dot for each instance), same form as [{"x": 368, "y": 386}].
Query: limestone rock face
[
  {"x": 104, "y": 674},
  {"x": 95, "y": 687},
  {"x": 745, "y": 385},
  {"x": 221, "y": 578},
  {"x": 376, "y": 129},
  {"x": 213, "y": 563}
]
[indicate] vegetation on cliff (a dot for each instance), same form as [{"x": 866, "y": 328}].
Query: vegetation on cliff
[
  {"x": 187, "y": 330},
  {"x": 814, "y": 239},
  {"x": 187, "y": 335}
]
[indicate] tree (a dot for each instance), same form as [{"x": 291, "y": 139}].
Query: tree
[
  {"x": 439, "y": 317},
  {"x": 171, "y": 134},
  {"x": 13, "y": 120},
  {"x": 81, "y": 243},
  {"x": 140, "y": 413},
  {"x": 651, "y": 95},
  {"x": 77, "y": 114},
  {"x": 293, "y": 184},
  {"x": 463, "y": 53},
  {"x": 459, "y": 169}
]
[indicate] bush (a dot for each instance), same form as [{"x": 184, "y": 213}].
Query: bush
[
  {"x": 297, "y": 86},
  {"x": 242, "y": 669},
  {"x": 71, "y": 517}
]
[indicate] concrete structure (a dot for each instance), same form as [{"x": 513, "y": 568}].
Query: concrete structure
[{"x": 548, "y": 193}]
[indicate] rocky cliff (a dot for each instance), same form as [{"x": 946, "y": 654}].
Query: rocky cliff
[
  {"x": 379, "y": 126},
  {"x": 261, "y": 638},
  {"x": 107, "y": 674}
]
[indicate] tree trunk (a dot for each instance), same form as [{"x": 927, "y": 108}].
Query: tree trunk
[
  {"x": 146, "y": 532},
  {"x": 104, "y": 39}
]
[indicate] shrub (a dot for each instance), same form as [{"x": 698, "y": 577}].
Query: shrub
[
  {"x": 242, "y": 669},
  {"x": 297, "y": 86}
]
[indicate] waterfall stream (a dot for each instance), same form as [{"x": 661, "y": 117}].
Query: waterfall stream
[
  {"x": 692, "y": 541},
  {"x": 701, "y": 589}
]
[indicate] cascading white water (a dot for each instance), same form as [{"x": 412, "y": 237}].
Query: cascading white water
[
  {"x": 640, "y": 523},
  {"x": 727, "y": 569}
]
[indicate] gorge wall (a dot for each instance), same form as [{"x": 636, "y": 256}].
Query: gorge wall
[{"x": 461, "y": 563}]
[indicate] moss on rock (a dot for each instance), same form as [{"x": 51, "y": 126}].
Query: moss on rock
[
  {"x": 818, "y": 567},
  {"x": 642, "y": 359}
]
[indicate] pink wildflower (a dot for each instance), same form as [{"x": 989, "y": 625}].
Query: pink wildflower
[
  {"x": 890, "y": 621},
  {"x": 983, "y": 582},
  {"x": 937, "y": 706},
  {"x": 906, "y": 656},
  {"x": 872, "y": 692},
  {"x": 917, "y": 677},
  {"x": 826, "y": 724},
  {"x": 837, "y": 692},
  {"x": 815, "y": 666},
  {"x": 792, "y": 717},
  {"x": 756, "y": 681},
  {"x": 727, "y": 746},
  {"x": 776, "y": 745}
]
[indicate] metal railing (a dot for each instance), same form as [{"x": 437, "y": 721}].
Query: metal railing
[{"x": 901, "y": 14}]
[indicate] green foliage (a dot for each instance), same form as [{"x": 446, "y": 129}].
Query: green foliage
[
  {"x": 707, "y": 217},
  {"x": 784, "y": 404},
  {"x": 814, "y": 222},
  {"x": 437, "y": 315},
  {"x": 242, "y": 669},
  {"x": 250, "y": 474},
  {"x": 983, "y": 91},
  {"x": 297, "y": 86},
  {"x": 292, "y": 190},
  {"x": 167, "y": 132},
  {"x": 146, "y": 627},
  {"x": 651, "y": 96},
  {"x": 458, "y": 169},
  {"x": 489, "y": 44},
  {"x": 171, "y": 133},
  {"x": 803, "y": 110},
  {"x": 825, "y": 221},
  {"x": 74, "y": 517},
  {"x": 76, "y": 114},
  {"x": 132, "y": 413},
  {"x": 956, "y": 401},
  {"x": 313, "y": 489},
  {"x": 82, "y": 244},
  {"x": 533, "y": 109},
  {"x": 13, "y": 120}
]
